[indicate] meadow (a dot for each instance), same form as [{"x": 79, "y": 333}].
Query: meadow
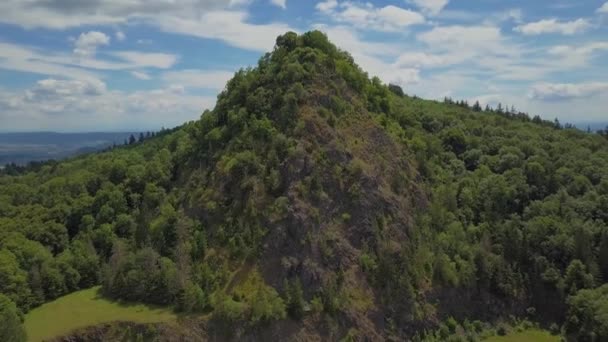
[{"x": 86, "y": 308}]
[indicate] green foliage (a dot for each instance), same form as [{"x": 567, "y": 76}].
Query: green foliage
[
  {"x": 252, "y": 301},
  {"x": 11, "y": 328},
  {"x": 587, "y": 318},
  {"x": 294, "y": 298}
]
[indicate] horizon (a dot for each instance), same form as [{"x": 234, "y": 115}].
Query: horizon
[{"x": 67, "y": 70}]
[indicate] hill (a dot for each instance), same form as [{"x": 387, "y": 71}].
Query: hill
[{"x": 315, "y": 203}]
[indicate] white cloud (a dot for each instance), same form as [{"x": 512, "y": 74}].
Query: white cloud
[
  {"x": 52, "y": 89},
  {"x": 145, "y": 59},
  {"x": 373, "y": 57},
  {"x": 420, "y": 60},
  {"x": 213, "y": 19},
  {"x": 576, "y": 56},
  {"x": 26, "y": 59},
  {"x": 77, "y": 105},
  {"x": 603, "y": 9},
  {"x": 326, "y": 6},
  {"x": 120, "y": 36},
  {"x": 228, "y": 26},
  {"x": 554, "y": 26},
  {"x": 515, "y": 15},
  {"x": 140, "y": 75},
  {"x": 462, "y": 37},
  {"x": 203, "y": 79},
  {"x": 279, "y": 3},
  {"x": 62, "y": 14},
  {"x": 430, "y": 6},
  {"x": 87, "y": 43},
  {"x": 566, "y": 91},
  {"x": 388, "y": 18}
]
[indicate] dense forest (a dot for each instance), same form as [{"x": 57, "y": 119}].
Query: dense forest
[{"x": 312, "y": 194}]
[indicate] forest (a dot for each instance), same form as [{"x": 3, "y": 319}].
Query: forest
[{"x": 315, "y": 195}]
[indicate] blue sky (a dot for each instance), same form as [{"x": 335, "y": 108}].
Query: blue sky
[{"x": 70, "y": 65}]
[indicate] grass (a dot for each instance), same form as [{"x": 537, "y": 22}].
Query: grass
[
  {"x": 86, "y": 308},
  {"x": 532, "y": 335}
]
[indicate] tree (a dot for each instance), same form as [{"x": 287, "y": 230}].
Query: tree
[
  {"x": 603, "y": 257},
  {"x": 477, "y": 107},
  {"x": 11, "y": 329},
  {"x": 191, "y": 299},
  {"x": 141, "y": 137},
  {"x": 396, "y": 90},
  {"x": 587, "y": 317},
  {"x": 577, "y": 278},
  {"x": 294, "y": 298},
  {"x": 132, "y": 139},
  {"x": 13, "y": 280}
]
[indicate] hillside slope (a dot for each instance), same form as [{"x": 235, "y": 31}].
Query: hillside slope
[{"x": 314, "y": 203}]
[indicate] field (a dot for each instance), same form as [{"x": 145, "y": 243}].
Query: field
[
  {"x": 86, "y": 308},
  {"x": 525, "y": 336}
]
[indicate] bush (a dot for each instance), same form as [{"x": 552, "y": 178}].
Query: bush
[
  {"x": 554, "y": 329},
  {"x": 502, "y": 330}
]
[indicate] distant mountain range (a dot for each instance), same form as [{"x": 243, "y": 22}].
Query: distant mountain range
[
  {"x": 594, "y": 126},
  {"x": 22, "y": 148}
]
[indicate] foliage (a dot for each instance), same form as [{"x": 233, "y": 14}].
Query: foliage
[
  {"x": 587, "y": 318},
  {"x": 11, "y": 328}
]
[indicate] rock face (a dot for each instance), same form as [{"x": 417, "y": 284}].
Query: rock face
[{"x": 296, "y": 149}]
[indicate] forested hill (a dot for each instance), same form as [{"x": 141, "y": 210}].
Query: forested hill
[{"x": 315, "y": 203}]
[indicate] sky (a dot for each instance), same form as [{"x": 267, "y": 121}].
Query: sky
[{"x": 111, "y": 65}]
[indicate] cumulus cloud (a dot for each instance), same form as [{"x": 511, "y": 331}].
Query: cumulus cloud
[
  {"x": 566, "y": 91},
  {"x": 120, "y": 36},
  {"x": 279, "y": 3},
  {"x": 54, "y": 104},
  {"x": 419, "y": 60},
  {"x": 388, "y": 18},
  {"x": 465, "y": 40},
  {"x": 228, "y": 26},
  {"x": 577, "y": 56},
  {"x": 326, "y": 6},
  {"x": 140, "y": 75},
  {"x": 146, "y": 59},
  {"x": 87, "y": 43},
  {"x": 373, "y": 57},
  {"x": 26, "y": 59},
  {"x": 215, "y": 19},
  {"x": 202, "y": 79},
  {"x": 554, "y": 26},
  {"x": 430, "y": 6},
  {"x": 603, "y": 9}
]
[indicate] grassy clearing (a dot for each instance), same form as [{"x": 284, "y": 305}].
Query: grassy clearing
[
  {"x": 86, "y": 308},
  {"x": 532, "y": 335}
]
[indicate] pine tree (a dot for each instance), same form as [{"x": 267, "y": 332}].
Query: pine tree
[
  {"x": 499, "y": 108},
  {"x": 132, "y": 140},
  {"x": 477, "y": 107}
]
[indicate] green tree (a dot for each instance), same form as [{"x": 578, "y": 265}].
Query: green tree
[
  {"x": 587, "y": 317},
  {"x": 11, "y": 328}
]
